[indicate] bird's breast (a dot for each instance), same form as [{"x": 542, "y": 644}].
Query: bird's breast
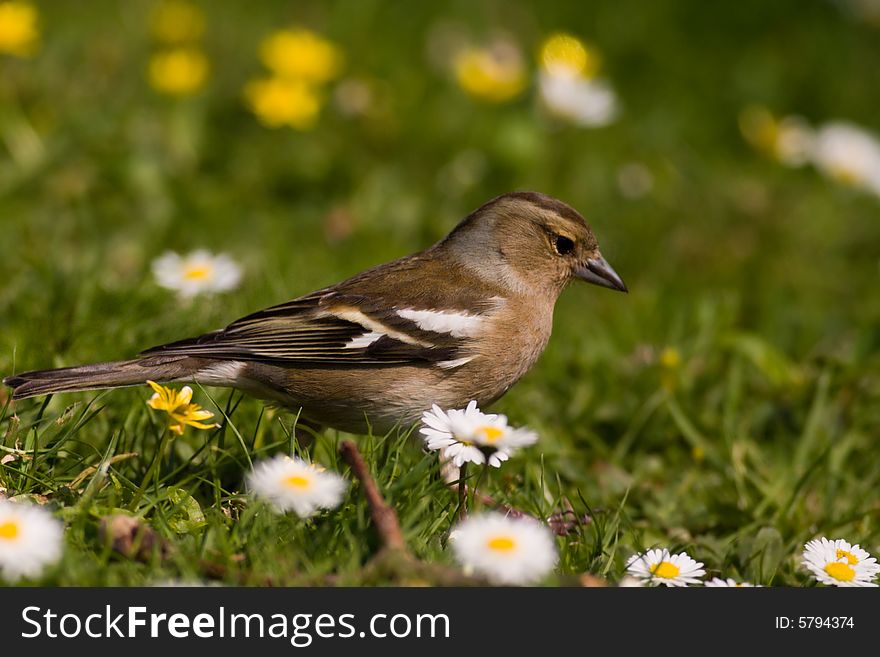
[{"x": 511, "y": 344}]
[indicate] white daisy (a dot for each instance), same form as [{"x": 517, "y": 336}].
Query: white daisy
[
  {"x": 660, "y": 567},
  {"x": 196, "y": 273},
  {"x": 470, "y": 435},
  {"x": 587, "y": 103},
  {"x": 837, "y": 563},
  {"x": 505, "y": 550},
  {"x": 292, "y": 484},
  {"x": 849, "y": 155},
  {"x": 30, "y": 540},
  {"x": 718, "y": 582}
]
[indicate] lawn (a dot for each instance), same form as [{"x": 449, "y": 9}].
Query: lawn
[{"x": 728, "y": 406}]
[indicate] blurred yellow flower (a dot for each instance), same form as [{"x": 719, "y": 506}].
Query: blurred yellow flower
[
  {"x": 19, "y": 29},
  {"x": 789, "y": 140},
  {"x": 758, "y": 126},
  {"x": 181, "y": 411},
  {"x": 564, "y": 54},
  {"x": 278, "y": 102},
  {"x": 568, "y": 85},
  {"x": 670, "y": 358},
  {"x": 670, "y": 362},
  {"x": 177, "y": 22},
  {"x": 301, "y": 54},
  {"x": 494, "y": 74},
  {"x": 178, "y": 72}
]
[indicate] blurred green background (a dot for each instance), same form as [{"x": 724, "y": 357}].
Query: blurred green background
[
  {"x": 746, "y": 349},
  {"x": 100, "y": 173}
]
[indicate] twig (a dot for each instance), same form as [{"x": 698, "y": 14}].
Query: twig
[
  {"x": 384, "y": 517},
  {"x": 394, "y": 561}
]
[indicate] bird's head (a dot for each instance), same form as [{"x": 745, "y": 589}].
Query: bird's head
[{"x": 531, "y": 242}]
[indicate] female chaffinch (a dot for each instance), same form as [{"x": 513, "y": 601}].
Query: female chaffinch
[{"x": 462, "y": 320}]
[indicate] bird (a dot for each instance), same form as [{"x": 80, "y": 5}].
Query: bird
[{"x": 462, "y": 320}]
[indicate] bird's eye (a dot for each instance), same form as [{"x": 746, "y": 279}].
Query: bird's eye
[{"x": 563, "y": 245}]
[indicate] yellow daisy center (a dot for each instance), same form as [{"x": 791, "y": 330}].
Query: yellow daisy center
[
  {"x": 840, "y": 571},
  {"x": 491, "y": 434},
  {"x": 501, "y": 544},
  {"x": 851, "y": 559},
  {"x": 9, "y": 530},
  {"x": 298, "y": 481},
  {"x": 665, "y": 569},
  {"x": 197, "y": 272}
]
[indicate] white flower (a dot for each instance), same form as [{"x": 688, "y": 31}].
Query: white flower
[
  {"x": 30, "y": 539},
  {"x": 838, "y": 563},
  {"x": 588, "y": 103},
  {"x": 196, "y": 273},
  {"x": 505, "y": 550},
  {"x": 660, "y": 567},
  {"x": 718, "y": 582},
  {"x": 294, "y": 484},
  {"x": 849, "y": 155},
  {"x": 470, "y": 435}
]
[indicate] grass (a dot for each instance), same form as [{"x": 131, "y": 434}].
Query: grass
[{"x": 760, "y": 435}]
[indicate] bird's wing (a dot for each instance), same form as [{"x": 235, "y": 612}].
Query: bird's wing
[{"x": 332, "y": 327}]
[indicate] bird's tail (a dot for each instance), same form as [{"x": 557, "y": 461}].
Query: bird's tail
[{"x": 102, "y": 375}]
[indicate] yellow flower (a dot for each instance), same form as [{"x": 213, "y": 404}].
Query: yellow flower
[
  {"x": 759, "y": 127},
  {"x": 564, "y": 54},
  {"x": 177, "y": 22},
  {"x": 278, "y": 102},
  {"x": 19, "y": 31},
  {"x": 301, "y": 55},
  {"x": 181, "y": 411},
  {"x": 178, "y": 72},
  {"x": 670, "y": 358},
  {"x": 670, "y": 362},
  {"x": 493, "y": 74}
]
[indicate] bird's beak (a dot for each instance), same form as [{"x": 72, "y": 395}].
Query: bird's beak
[{"x": 598, "y": 272}]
